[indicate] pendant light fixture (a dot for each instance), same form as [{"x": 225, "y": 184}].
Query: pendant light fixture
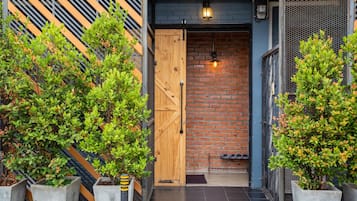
[
  {"x": 207, "y": 12},
  {"x": 214, "y": 58}
]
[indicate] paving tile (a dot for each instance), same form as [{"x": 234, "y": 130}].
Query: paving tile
[
  {"x": 237, "y": 196},
  {"x": 256, "y": 195},
  {"x": 238, "y": 199},
  {"x": 258, "y": 199},
  {"x": 288, "y": 197},
  {"x": 236, "y": 189},
  {"x": 208, "y": 194},
  {"x": 169, "y": 194},
  {"x": 198, "y": 195}
]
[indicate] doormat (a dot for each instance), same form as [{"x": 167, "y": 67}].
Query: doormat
[{"x": 196, "y": 179}]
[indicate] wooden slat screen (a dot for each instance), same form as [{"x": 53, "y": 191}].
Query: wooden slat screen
[{"x": 77, "y": 15}]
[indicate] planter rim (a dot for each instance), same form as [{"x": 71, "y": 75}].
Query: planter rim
[
  {"x": 15, "y": 184},
  {"x": 333, "y": 188},
  {"x": 73, "y": 178},
  {"x": 351, "y": 185},
  {"x": 108, "y": 179}
]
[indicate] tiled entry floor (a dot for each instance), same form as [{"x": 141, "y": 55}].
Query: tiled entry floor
[
  {"x": 225, "y": 179},
  {"x": 207, "y": 194}
]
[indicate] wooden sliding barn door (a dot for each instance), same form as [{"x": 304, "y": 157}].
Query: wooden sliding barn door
[{"x": 170, "y": 115}]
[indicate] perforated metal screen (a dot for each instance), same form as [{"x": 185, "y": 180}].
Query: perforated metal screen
[
  {"x": 355, "y": 11},
  {"x": 301, "y": 19}
]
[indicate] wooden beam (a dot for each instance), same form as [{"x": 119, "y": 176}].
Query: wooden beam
[
  {"x": 82, "y": 48},
  {"x": 51, "y": 18},
  {"x": 96, "y": 6},
  {"x": 37, "y": 32},
  {"x": 30, "y": 26},
  {"x": 76, "y": 14},
  {"x": 138, "y": 19},
  {"x": 81, "y": 160},
  {"x": 81, "y": 19},
  {"x": 100, "y": 9},
  {"x": 137, "y": 187},
  {"x": 84, "y": 191},
  {"x": 28, "y": 195}
]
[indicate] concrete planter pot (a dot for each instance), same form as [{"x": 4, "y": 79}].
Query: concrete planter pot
[
  {"x": 111, "y": 192},
  {"x": 15, "y": 192},
  {"x": 300, "y": 194},
  {"x": 349, "y": 192},
  {"x": 69, "y": 192}
]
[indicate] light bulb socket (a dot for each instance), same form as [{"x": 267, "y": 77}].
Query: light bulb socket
[{"x": 214, "y": 56}]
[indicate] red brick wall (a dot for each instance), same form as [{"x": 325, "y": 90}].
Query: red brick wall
[{"x": 217, "y": 100}]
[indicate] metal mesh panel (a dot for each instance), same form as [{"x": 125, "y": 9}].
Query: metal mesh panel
[
  {"x": 270, "y": 90},
  {"x": 355, "y": 12},
  {"x": 302, "y": 19}
]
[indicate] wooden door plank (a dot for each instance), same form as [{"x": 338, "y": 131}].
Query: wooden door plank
[{"x": 170, "y": 145}]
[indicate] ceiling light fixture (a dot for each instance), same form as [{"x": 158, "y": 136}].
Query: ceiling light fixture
[{"x": 207, "y": 12}]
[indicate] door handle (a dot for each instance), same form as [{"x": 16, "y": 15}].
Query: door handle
[{"x": 181, "y": 105}]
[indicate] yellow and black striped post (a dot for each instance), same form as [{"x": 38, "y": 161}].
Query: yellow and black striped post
[{"x": 124, "y": 186}]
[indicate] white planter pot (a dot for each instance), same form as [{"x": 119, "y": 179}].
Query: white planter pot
[
  {"x": 300, "y": 194},
  {"x": 349, "y": 192},
  {"x": 15, "y": 192},
  {"x": 111, "y": 192},
  {"x": 69, "y": 192}
]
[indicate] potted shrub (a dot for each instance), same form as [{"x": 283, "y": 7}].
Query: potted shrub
[
  {"x": 313, "y": 137},
  {"x": 116, "y": 109},
  {"x": 11, "y": 188},
  {"x": 46, "y": 114},
  {"x": 350, "y": 176}
]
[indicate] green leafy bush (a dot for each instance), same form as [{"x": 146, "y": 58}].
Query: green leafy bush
[
  {"x": 350, "y": 49},
  {"x": 46, "y": 112},
  {"x": 116, "y": 106},
  {"x": 315, "y": 136},
  {"x": 7, "y": 138}
]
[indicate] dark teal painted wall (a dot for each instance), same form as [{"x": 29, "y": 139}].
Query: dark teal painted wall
[
  {"x": 224, "y": 13},
  {"x": 260, "y": 44},
  {"x": 232, "y": 13}
]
